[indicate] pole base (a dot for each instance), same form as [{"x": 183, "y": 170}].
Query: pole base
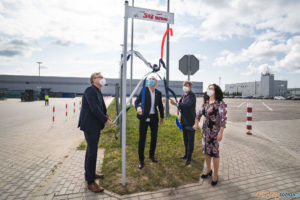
[{"x": 249, "y": 133}]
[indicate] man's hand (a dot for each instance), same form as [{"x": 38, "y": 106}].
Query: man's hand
[
  {"x": 139, "y": 111},
  {"x": 161, "y": 120},
  {"x": 109, "y": 122},
  {"x": 172, "y": 102},
  {"x": 219, "y": 137},
  {"x": 177, "y": 112}
]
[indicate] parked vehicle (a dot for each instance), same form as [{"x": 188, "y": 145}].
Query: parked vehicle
[
  {"x": 279, "y": 98},
  {"x": 296, "y": 98}
]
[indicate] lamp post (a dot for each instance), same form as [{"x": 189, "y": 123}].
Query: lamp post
[{"x": 39, "y": 63}]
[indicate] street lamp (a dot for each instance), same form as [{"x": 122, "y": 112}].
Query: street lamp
[{"x": 40, "y": 67}]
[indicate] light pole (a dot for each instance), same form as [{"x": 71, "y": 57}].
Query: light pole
[{"x": 39, "y": 63}]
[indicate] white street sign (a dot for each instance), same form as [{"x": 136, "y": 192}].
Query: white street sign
[{"x": 150, "y": 15}]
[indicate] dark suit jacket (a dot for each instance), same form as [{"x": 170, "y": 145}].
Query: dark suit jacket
[
  {"x": 188, "y": 109},
  {"x": 93, "y": 112},
  {"x": 158, "y": 103}
]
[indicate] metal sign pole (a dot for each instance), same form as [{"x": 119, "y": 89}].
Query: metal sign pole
[
  {"x": 124, "y": 97},
  {"x": 189, "y": 67},
  {"x": 168, "y": 67},
  {"x": 131, "y": 60},
  {"x": 143, "y": 14}
]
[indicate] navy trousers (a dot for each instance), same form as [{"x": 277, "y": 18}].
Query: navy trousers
[
  {"x": 188, "y": 138},
  {"x": 92, "y": 139}
]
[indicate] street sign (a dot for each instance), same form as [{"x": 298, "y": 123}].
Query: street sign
[
  {"x": 188, "y": 65},
  {"x": 150, "y": 15}
]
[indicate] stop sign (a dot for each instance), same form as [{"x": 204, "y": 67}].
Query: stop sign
[{"x": 188, "y": 64}]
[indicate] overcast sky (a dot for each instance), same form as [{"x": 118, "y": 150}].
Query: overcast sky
[{"x": 234, "y": 40}]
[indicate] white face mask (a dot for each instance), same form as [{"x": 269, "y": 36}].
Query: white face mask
[
  {"x": 185, "y": 89},
  {"x": 102, "y": 82},
  {"x": 210, "y": 92}
]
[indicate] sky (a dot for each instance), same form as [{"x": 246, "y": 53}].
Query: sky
[{"x": 235, "y": 40}]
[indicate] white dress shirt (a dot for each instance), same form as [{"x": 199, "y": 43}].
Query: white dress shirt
[{"x": 152, "y": 110}]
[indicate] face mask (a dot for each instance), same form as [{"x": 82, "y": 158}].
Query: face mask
[
  {"x": 102, "y": 82},
  {"x": 210, "y": 92},
  {"x": 151, "y": 82},
  {"x": 185, "y": 89}
]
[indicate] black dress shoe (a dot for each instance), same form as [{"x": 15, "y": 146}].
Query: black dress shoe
[
  {"x": 213, "y": 183},
  {"x": 206, "y": 175},
  {"x": 154, "y": 160},
  {"x": 141, "y": 165},
  {"x": 188, "y": 162},
  {"x": 183, "y": 157}
]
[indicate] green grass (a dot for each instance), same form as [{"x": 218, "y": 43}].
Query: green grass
[
  {"x": 170, "y": 171},
  {"x": 82, "y": 145}
]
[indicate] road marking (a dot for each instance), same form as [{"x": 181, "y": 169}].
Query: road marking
[
  {"x": 267, "y": 106},
  {"x": 241, "y": 104}
]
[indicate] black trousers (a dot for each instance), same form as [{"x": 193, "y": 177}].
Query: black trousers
[
  {"x": 46, "y": 102},
  {"x": 92, "y": 139},
  {"x": 188, "y": 138},
  {"x": 143, "y": 134}
]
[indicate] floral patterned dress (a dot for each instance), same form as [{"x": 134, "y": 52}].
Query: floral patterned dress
[{"x": 215, "y": 114}]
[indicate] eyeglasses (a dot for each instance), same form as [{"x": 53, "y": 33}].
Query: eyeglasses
[{"x": 98, "y": 77}]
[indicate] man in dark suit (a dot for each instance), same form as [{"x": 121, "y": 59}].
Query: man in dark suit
[
  {"x": 187, "y": 108},
  {"x": 149, "y": 117},
  {"x": 92, "y": 119}
]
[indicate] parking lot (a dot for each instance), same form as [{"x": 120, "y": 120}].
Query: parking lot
[{"x": 263, "y": 109}]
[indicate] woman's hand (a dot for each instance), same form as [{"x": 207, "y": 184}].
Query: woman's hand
[
  {"x": 219, "y": 137},
  {"x": 195, "y": 127}
]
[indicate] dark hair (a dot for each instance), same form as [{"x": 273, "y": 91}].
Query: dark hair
[
  {"x": 205, "y": 97},
  {"x": 218, "y": 92}
]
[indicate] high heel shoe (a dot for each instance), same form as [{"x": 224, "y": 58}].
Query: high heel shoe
[
  {"x": 206, "y": 175},
  {"x": 213, "y": 183}
]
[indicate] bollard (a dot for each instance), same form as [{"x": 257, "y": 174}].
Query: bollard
[
  {"x": 74, "y": 108},
  {"x": 249, "y": 119},
  {"x": 80, "y": 106},
  {"x": 53, "y": 117},
  {"x": 66, "y": 111}
]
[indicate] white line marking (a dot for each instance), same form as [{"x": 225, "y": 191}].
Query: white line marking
[
  {"x": 241, "y": 104},
  {"x": 267, "y": 106}
]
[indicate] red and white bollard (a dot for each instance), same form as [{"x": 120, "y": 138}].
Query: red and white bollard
[
  {"x": 249, "y": 118},
  {"x": 53, "y": 116},
  {"x": 74, "y": 108},
  {"x": 80, "y": 106},
  {"x": 66, "y": 111}
]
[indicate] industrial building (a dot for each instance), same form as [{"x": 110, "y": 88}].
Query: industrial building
[
  {"x": 13, "y": 85},
  {"x": 267, "y": 87}
]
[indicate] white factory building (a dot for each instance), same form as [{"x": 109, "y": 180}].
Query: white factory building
[{"x": 266, "y": 87}]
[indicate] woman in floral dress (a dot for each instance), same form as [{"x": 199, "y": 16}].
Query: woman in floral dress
[{"x": 214, "y": 110}]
